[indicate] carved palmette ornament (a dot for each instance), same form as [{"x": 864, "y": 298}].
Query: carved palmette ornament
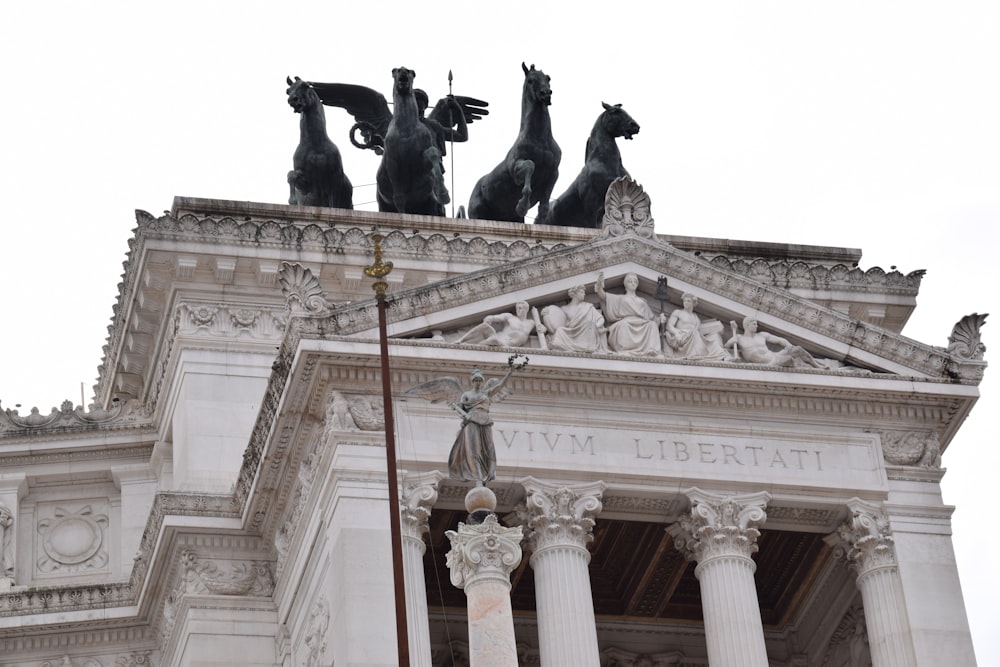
[
  {"x": 302, "y": 291},
  {"x": 965, "y": 341},
  {"x": 626, "y": 210}
]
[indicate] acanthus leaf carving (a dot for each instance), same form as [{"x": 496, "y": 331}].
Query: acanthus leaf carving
[
  {"x": 720, "y": 525},
  {"x": 559, "y": 515}
]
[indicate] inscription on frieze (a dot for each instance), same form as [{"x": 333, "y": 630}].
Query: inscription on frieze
[{"x": 826, "y": 459}]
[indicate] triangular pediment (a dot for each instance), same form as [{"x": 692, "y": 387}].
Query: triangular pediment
[{"x": 445, "y": 312}]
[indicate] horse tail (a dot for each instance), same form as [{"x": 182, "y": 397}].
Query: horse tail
[{"x": 372, "y": 139}]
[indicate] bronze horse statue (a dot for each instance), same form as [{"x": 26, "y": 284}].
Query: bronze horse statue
[
  {"x": 317, "y": 177},
  {"x": 529, "y": 172},
  {"x": 582, "y": 205},
  {"x": 410, "y": 178}
]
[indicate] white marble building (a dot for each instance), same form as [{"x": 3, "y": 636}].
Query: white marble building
[{"x": 686, "y": 496}]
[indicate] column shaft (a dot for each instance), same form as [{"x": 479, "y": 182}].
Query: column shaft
[
  {"x": 560, "y": 524},
  {"x": 418, "y": 495},
  {"x": 733, "y": 629},
  {"x": 866, "y": 543},
  {"x": 481, "y": 559},
  {"x": 721, "y": 535}
]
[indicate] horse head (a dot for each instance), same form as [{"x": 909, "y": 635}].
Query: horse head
[
  {"x": 617, "y": 123},
  {"x": 536, "y": 85},
  {"x": 301, "y": 95},
  {"x": 403, "y": 80}
]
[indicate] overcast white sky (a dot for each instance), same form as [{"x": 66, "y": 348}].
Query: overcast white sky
[{"x": 873, "y": 125}]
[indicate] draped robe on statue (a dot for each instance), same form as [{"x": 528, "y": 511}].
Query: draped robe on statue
[
  {"x": 473, "y": 458},
  {"x": 634, "y": 331},
  {"x": 581, "y": 331}
]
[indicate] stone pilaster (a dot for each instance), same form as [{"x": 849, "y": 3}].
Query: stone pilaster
[
  {"x": 13, "y": 487},
  {"x": 560, "y": 525},
  {"x": 721, "y": 535},
  {"x": 865, "y": 543},
  {"x": 418, "y": 496},
  {"x": 481, "y": 559}
]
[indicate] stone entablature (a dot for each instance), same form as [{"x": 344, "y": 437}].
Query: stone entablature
[{"x": 227, "y": 229}]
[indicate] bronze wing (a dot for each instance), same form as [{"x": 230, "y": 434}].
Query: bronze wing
[
  {"x": 473, "y": 109},
  {"x": 369, "y": 108}
]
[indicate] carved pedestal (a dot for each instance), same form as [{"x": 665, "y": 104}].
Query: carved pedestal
[
  {"x": 481, "y": 560},
  {"x": 866, "y": 544},
  {"x": 721, "y": 535},
  {"x": 560, "y": 524}
]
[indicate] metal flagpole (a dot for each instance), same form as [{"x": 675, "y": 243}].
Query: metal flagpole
[
  {"x": 451, "y": 138},
  {"x": 379, "y": 270}
]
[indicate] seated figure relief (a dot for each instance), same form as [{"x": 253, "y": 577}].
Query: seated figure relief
[
  {"x": 686, "y": 337},
  {"x": 576, "y": 327},
  {"x": 751, "y": 346},
  {"x": 515, "y": 330},
  {"x": 635, "y": 330}
]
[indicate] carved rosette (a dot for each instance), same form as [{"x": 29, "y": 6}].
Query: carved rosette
[
  {"x": 720, "y": 525},
  {"x": 561, "y": 515},
  {"x": 72, "y": 541},
  {"x": 420, "y": 492},
  {"x": 865, "y": 541},
  {"x": 486, "y": 551}
]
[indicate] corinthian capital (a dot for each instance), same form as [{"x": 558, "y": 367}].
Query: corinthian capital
[
  {"x": 865, "y": 541},
  {"x": 720, "y": 525},
  {"x": 561, "y": 515},
  {"x": 486, "y": 551},
  {"x": 419, "y": 494}
]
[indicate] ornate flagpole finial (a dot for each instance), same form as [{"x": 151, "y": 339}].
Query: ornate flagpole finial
[{"x": 379, "y": 269}]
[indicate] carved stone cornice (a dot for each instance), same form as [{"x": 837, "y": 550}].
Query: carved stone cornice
[
  {"x": 720, "y": 525},
  {"x": 70, "y": 419},
  {"x": 559, "y": 515},
  {"x": 865, "y": 540},
  {"x": 481, "y": 552}
]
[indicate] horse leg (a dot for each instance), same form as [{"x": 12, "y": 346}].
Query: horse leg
[
  {"x": 523, "y": 171},
  {"x": 543, "y": 205}
]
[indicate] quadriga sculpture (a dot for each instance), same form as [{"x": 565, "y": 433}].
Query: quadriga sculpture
[
  {"x": 582, "y": 205},
  {"x": 410, "y": 178},
  {"x": 529, "y": 172},
  {"x": 317, "y": 177}
]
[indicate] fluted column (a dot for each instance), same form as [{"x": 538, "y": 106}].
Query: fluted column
[
  {"x": 865, "y": 542},
  {"x": 481, "y": 559},
  {"x": 721, "y": 535},
  {"x": 560, "y": 525},
  {"x": 418, "y": 496}
]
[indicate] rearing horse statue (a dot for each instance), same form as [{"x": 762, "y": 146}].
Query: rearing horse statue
[
  {"x": 529, "y": 172},
  {"x": 410, "y": 177},
  {"x": 582, "y": 205},
  {"x": 317, "y": 177}
]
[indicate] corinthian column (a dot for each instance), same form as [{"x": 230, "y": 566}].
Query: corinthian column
[
  {"x": 481, "y": 559},
  {"x": 865, "y": 543},
  {"x": 560, "y": 524},
  {"x": 721, "y": 535},
  {"x": 418, "y": 496}
]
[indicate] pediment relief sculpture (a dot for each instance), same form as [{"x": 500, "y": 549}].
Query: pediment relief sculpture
[{"x": 627, "y": 324}]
